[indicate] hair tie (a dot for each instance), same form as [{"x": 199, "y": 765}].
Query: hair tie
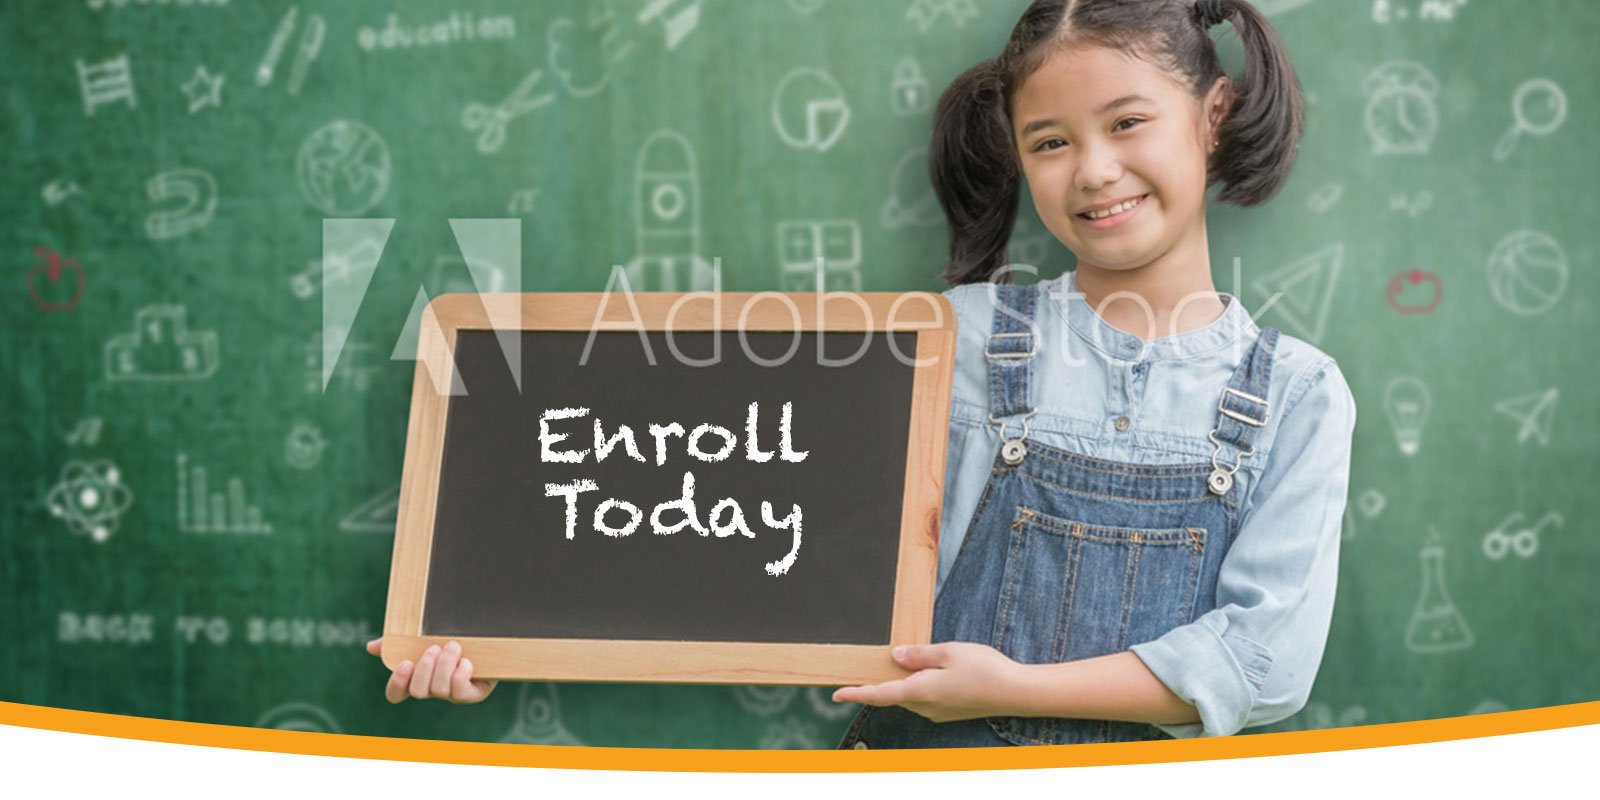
[{"x": 1210, "y": 12}]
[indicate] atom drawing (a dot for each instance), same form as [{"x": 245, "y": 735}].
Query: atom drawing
[{"x": 90, "y": 497}]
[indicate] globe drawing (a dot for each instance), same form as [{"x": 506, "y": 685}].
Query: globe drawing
[{"x": 343, "y": 168}]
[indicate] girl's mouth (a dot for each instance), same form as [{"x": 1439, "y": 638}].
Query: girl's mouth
[{"x": 1115, "y": 219}]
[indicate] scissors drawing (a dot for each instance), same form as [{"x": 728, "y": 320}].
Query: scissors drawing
[{"x": 491, "y": 122}]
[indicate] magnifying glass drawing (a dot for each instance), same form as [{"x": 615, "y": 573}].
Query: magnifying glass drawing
[{"x": 1539, "y": 99}]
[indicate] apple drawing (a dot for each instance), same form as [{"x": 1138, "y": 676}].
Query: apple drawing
[
  {"x": 55, "y": 283},
  {"x": 1406, "y": 298}
]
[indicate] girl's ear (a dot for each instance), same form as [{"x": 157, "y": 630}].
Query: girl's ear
[{"x": 1218, "y": 101}]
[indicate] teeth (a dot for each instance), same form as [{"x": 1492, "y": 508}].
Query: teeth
[{"x": 1116, "y": 209}]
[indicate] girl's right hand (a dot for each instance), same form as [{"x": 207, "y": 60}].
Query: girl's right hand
[{"x": 440, "y": 672}]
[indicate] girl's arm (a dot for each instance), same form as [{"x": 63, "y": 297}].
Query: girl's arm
[
  {"x": 1117, "y": 687},
  {"x": 966, "y": 680}
]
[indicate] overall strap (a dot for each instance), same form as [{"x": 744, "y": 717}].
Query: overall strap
[
  {"x": 1242, "y": 410},
  {"x": 1009, "y": 352},
  {"x": 1010, "y": 349}
]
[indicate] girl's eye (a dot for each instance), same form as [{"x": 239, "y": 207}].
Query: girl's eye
[{"x": 1050, "y": 144}]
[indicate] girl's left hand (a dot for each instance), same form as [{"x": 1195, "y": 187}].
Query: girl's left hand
[{"x": 954, "y": 681}]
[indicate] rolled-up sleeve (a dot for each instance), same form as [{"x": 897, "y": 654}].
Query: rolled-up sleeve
[{"x": 1252, "y": 659}]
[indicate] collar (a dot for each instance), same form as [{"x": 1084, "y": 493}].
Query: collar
[{"x": 1123, "y": 346}]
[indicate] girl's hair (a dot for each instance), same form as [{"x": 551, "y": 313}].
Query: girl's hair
[{"x": 973, "y": 161}]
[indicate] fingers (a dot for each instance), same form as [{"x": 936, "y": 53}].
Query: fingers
[
  {"x": 422, "y": 679},
  {"x": 466, "y": 690},
  {"x": 439, "y": 672},
  {"x": 375, "y": 646},
  {"x": 444, "y": 669},
  {"x": 399, "y": 686},
  {"x": 908, "y": 656},
  {"x": 921, "y": 656},
  {"x": 881, "y": 694}
]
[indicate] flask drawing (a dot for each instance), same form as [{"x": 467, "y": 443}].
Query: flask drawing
[{"x": 1436, "y": 625}]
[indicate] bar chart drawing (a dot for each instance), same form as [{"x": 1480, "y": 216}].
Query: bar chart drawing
[{"x": 220, "y": 511}]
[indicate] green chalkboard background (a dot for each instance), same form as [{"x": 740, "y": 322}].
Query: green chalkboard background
[{"x": 190, "y": 368}]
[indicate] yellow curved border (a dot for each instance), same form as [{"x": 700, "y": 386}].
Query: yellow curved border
[{"x": 669, "y": 760}]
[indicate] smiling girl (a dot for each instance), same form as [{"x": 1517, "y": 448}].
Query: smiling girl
[{"x": 1141, "y": 522}]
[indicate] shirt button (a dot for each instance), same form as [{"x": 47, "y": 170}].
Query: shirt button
[
  {"x": 859, "y": 745},
  {"x": 1122, "y": 423}
]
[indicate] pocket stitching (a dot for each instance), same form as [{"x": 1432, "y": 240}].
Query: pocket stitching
[
  {"x": 1005, "y": 605},
  {"x": 1069, "y": 595},
  {"x": 1081, "y": 530},
  {"x": 1037, "y": 479},
  {"x": 1198, "y": 536}
]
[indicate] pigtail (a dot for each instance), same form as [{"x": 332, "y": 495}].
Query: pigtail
[
  {"x": 1260, "y": 137},
  {"x": 975, "y": 173}
]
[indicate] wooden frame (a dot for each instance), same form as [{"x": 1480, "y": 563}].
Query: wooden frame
[{"x": 929, "y": 314}]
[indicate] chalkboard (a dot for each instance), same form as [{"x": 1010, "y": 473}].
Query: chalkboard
[
  {"x": 705, "y": 498},
  {"x": 1450, "y": 138}
]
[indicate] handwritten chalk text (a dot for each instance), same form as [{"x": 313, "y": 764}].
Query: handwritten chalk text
[{"x": 707, "y": 442}]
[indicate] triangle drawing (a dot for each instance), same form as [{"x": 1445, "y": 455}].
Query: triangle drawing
[
  {"x": 378, "y": 515},
  {"x": 1305, "y": 290}
]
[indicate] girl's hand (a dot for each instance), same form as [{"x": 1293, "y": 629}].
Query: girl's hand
[
  {"x": 954, "y": 681},
  {"x": 440, "y": 672}
]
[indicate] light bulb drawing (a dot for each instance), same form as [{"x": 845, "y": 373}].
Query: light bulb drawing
[{"x": 1407, "y": 401}]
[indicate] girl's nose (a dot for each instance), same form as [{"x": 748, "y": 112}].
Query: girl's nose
[{"x": 1097, "y": 167}]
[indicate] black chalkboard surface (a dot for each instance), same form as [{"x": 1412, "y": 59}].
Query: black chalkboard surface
[
  {"x": 505, "y": 562},
  {"x": 704, "y": 505}
]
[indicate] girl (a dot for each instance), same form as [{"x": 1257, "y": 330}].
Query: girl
[{"x": 1144, "y": 489}]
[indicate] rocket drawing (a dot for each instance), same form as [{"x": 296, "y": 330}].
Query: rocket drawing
[{"x": 667, "y": 202}]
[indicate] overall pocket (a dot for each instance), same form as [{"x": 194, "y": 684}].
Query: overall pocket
[{"x": 1075, "y": 590}]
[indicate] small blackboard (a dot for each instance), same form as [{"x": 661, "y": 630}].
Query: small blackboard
[{"x": 733, "y": 488}]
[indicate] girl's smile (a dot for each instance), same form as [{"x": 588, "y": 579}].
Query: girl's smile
[{"x": 1099, "y": 220}]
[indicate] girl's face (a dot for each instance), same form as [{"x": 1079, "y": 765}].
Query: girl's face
[{"x": 1083, "y": 143}]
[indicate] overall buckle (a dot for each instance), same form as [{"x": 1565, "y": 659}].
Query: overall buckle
[
  {"x": 1221, "y": 478},
  {"x": 1222, "y": 406},
  {"x": 1013, "y": 450},
  {"x": 1033, "y": 346}
]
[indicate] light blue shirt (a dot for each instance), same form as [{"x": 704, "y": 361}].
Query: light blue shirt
[{"x": 1251, "y": 660}]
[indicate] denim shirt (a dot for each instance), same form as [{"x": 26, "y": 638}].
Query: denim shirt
[{"x": 1108, "y": 394}]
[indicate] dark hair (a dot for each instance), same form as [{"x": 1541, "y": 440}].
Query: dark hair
[{"x": 972, "y": 159}]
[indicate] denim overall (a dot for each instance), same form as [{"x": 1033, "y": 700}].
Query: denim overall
[{"x": 1070, "y": 557}]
